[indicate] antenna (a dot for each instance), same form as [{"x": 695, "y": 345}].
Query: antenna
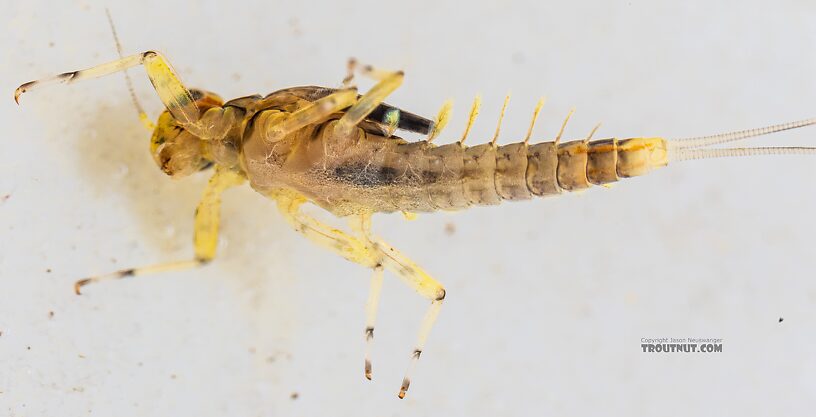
[{"x": 142, "y": 115}]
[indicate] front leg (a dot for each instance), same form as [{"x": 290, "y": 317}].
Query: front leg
[{"x": 177, "y": 98}]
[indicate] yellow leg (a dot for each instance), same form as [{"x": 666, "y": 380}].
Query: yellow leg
[
  {"x": 362, "y": 226},
  {"x": 372, "y": 253},
  {"x": 172, "y": 92},
  {"x": 178, "y": 100},
  {"x": 276, "y": 125},
  {"x": 205, "y": 238},
  {"x": 426, "y": 286},
  {"x": 388, "y": 82},
  {"x": 371, "y": 315},
  {"x": 325, "y": 236},
  {"x": 414, "y": 276}
]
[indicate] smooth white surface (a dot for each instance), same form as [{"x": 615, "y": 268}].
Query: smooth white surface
[{"x": 547, "y": 300}]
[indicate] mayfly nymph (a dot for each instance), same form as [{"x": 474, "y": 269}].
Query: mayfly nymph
[{"x": 336, "y": 148}]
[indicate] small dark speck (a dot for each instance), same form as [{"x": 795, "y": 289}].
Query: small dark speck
[
  {"x": 172, "y": 376},
  {"x": 50, "y": 44},
  {"x": 450, "y": 228},
  {"x": 236, "y": 77},
  {"x": 81, "y": 356},
  {"x": 28, "y": 347},
  {"x": 294, "y": 396},
  {"x": 48, "y": 270},
  {"x": 781, "y": 319},
  {"x": 50, "y": 314},
  {"x": 5, "y": 198}
]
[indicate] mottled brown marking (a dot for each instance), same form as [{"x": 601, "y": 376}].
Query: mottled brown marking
[
  {"x": 602, "y": 161},
  {"x": 479, "y": 175},
  {"x": 511, "y": 172},
  {"x": 542, "y": 169},
  {"x": 447, "y": 193},
  {"x": 572, "y": 165}
]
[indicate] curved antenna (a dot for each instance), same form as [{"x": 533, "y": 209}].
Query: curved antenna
[{"x": 142, "y": 115}]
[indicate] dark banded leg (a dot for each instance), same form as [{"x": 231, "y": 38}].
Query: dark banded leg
[
  {"x": 205, "y": 238},
  {"x": 172, "y": 92},
  {"x": 422, "y": 283},
  {"x": 414, "y": 276},
  {"x": 372, "y": 253},
  {"x": 362, "y": 226},
  {"x": 371, "y": 315}
]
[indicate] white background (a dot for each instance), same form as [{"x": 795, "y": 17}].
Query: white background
[{"x": 547, "y": 300}]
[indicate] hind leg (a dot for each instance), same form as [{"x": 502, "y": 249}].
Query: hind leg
[
  {"x": 377, "y": 255},
  {"x": 416, "y": 278}
]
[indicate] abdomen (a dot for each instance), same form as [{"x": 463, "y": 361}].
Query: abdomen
[{"x": 376, "y": 174}]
